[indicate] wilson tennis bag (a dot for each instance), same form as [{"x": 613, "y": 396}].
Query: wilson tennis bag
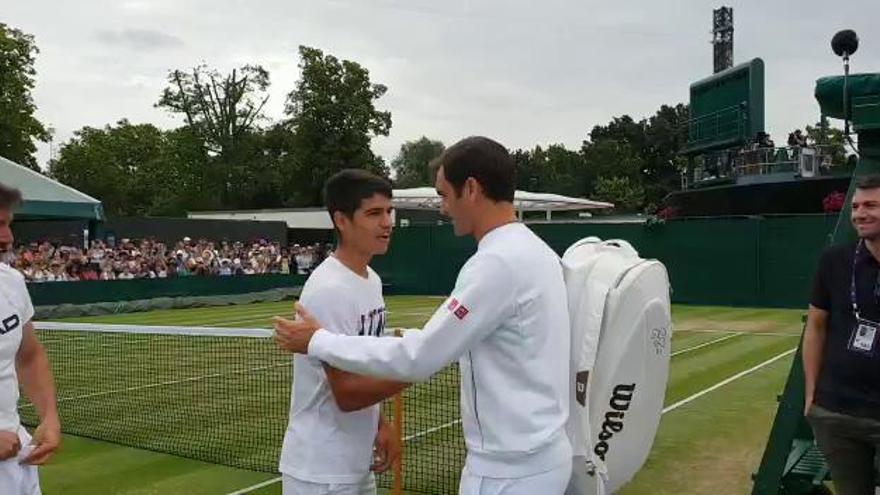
[{"x": 621, "y": 333}]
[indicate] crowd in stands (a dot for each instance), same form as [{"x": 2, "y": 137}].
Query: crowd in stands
[{"x": 127, "y": 260}]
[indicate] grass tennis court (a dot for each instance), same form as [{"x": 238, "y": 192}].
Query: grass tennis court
[{"x": 710, "y": 439}]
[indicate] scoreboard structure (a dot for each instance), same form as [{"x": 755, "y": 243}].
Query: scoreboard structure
[{"x": 726, "y": 109}]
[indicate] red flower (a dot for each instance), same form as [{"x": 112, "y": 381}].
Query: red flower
[
  {"x": 668, "y": 212},
  {"x": 834, "y": 202}
]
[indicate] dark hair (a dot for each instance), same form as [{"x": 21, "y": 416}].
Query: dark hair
[
  {"x": 9, "y": 197},
  {"x": 345, "y": 191},
  {"x": 868, "y": 182},
  {"x": 487, "y": 161}
]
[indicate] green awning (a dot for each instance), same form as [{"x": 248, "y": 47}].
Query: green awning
[
  {"x": 45, "y": 198},
  {"x": 829, "y": 91}
]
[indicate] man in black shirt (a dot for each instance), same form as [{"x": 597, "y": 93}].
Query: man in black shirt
[{"x": 841, "y": 350}]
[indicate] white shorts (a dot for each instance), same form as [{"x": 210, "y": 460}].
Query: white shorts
[
  {"x": 552, "y": 482},
  {"x": 294, "y": 486},
  {"x": 17, "y": 478}
]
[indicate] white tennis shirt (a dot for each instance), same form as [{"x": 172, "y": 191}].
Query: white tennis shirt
[
  {"x": 323, "y": 444},
  {"x": 15, "y": 310}
]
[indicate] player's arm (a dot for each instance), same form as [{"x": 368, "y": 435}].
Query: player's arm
[
  {"x": 812, "y": 350},
  {"x": 35, "y": 377},
  {"x": 354, "y": 392},
  {"x": 350, "y": 391},
  {"x": 482, "y": 299}
]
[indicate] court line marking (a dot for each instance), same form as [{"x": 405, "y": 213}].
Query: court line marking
[
  {"x": 256, "y": 487},
  {"x": 667, "y": 409},
  {"x": 405, "y": 439},
  {"x": 728, "y": 380},
  {"x": 165, "y": 383},
  {"x": 761, "y": 334},
  {"x": 706, "y": 344},
  {"x": 431, "y": 430}
]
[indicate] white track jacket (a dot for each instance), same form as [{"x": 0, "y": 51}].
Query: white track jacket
[{"x": 507, "y": 324}]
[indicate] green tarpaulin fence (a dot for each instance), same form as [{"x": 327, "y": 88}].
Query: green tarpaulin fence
[{"x": 744, "y": 261}]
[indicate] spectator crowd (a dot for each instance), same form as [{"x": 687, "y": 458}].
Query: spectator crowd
[{"x": 127, "y": 260}]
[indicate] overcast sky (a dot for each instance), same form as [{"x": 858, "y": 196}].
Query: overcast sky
[{"x": 524, "y": 72}]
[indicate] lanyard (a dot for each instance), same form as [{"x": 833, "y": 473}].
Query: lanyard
[{"x": 852, "y": 282}]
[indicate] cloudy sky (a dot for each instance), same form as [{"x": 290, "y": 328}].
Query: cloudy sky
[{"x": 524, "y": 72}]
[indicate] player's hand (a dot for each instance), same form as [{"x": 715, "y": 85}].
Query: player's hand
[
  {"x": 386, "y": 448},
  {"x": 46, "y": 440},
  {"x": 9, "y": 445},
  {"x": 295, "y": 335}
]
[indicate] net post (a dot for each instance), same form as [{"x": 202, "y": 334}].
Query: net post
[{"x": 397, "y": 467}]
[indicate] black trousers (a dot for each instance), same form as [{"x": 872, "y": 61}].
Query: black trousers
[{"x": 851, "y": 446}]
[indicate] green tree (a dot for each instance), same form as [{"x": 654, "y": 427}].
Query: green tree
[
  {"x": 137, "y": 169},
  {"x": 830, "y": 141},
  {"x": 626, "y": 194},
  {"x": 613, "y": 158},
  {"x": 257, "y": 172},
  {"x": 224, "y": 110},
  {"x": 107, "y": 163},
  {"x": 652, "y": 144},
  {"x": 555, "y": 169},
  {"x": 666, "y": 137},
  {"x": 332, "y": 116},
  {"x": 623, "y": 129},
  {"x": 617, "y": 173},
  {"x": 412, "y": 163},
  {"x": 177, "y": 178},
  {"x": 565, "y": 172},
  {"x": 19, "y": 128}
]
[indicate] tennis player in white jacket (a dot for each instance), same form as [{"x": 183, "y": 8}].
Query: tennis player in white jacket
[{"x": 506, "y": 322}]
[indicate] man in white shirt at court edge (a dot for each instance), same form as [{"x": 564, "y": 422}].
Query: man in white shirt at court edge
[
  {"x": 334, "y": 415},
  {"x": 506, "y": 322},
  {"x": 22, "y": 361}
]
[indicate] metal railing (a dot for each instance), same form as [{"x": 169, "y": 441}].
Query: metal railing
[{"x": 799, "y": 161}]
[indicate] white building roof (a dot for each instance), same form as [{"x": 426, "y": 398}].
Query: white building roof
[{"x": 426, "y": 198}]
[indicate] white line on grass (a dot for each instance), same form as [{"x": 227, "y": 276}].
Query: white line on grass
[
  {"x": 256, "y": 487},
  {"x": 726, "y": 381},
  {"x": 406, "y": 439},
  {"x": 55, "y": 341},
  {"x": 116, "y": 344},
  {"x": 170, "y": 382},
  {"x": 432, "y": 430},
  {"x": 759, "y": 334},
  {"x": 706, "y": 344},
  {"x": 665, "y": 410}
]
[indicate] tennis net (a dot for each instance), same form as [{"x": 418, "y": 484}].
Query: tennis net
[{"x": 219, "y": 395}]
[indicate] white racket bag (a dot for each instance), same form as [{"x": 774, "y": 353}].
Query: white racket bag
[{"x": 621, "y": 333}]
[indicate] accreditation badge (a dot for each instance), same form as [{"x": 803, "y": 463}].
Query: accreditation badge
[{"x": 864, "y": 337}]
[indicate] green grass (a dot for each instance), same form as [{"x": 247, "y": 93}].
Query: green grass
[{"x": 717, "y": 438}]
